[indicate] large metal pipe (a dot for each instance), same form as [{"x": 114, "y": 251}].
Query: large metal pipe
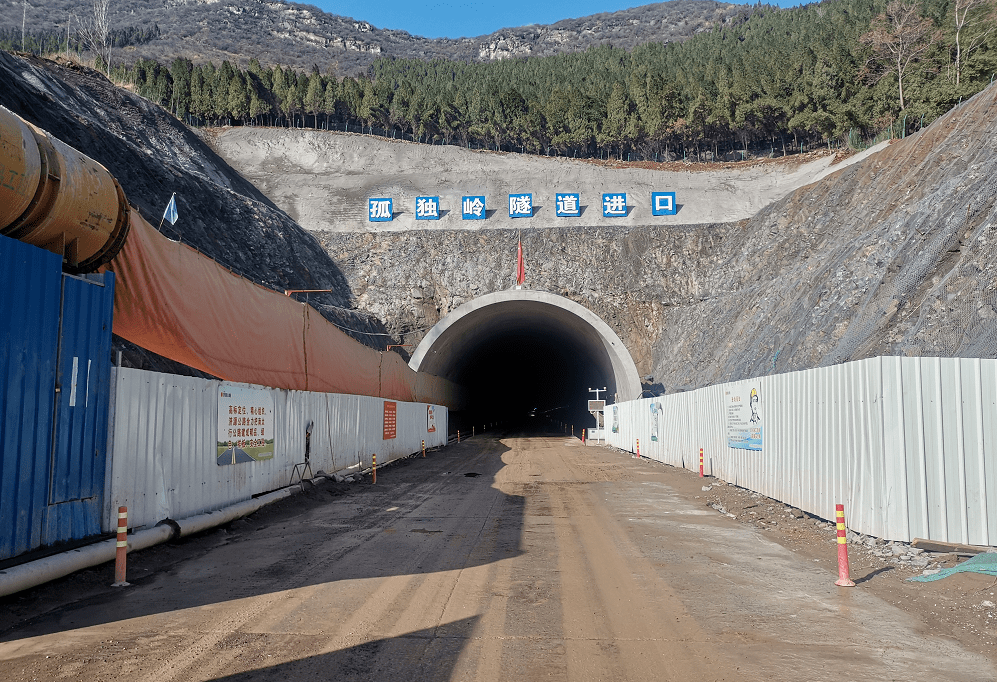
[
  {"x": 57, "y": 198},
  {"x": 41, "y": 571}
]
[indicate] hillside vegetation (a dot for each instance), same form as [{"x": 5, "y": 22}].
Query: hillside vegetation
[
  {"x": 152, "y": 155},
  {"x": 296, "y": 35},
  {"x": 772, "y": 81}
]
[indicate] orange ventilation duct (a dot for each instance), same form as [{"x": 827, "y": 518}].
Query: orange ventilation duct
[
  {"x": 57, "y": 198},
  {"x": 175, "y": 301}
]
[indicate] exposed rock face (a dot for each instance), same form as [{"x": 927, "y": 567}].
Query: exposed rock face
[
  {"x": 894, "y": 255},
  {"x": 278, "y": 32},
  {"x": 629, "y": 277}
]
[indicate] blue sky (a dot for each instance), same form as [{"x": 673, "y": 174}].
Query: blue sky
[{"x": 459, "y": 18}]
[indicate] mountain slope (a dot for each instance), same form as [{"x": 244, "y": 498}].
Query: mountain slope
[
  {"x": 286, "y": 33},
  {"x": 153, "y": 155},
  {"x": 894, "y": 255}
]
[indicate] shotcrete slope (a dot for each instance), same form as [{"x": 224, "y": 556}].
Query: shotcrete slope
[
  {"x": 893, "y": 255},
  {"x": 323, "y": 180}
]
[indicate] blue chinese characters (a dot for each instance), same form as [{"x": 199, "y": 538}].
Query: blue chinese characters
[
  {"x": 614, "y": 205},
  {"x": 663, "y": 203},
  {"x": 567, "y": 205},
  {"x": 379, "y": 210},
  {"x": 520, "y": 205},
  {"x": 427, "y": 208},
  {"x": 473, "y": 208}
]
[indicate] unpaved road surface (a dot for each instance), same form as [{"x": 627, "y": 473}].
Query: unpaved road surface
[{"x": 555, "y": 562}]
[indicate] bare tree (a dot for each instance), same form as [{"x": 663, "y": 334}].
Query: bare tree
[
  {"x": 95, "y": 32},
  {"x": 898, "y": 38},
  {"x": 69, "y": 21},
  {"x": 974, "y": 21}
]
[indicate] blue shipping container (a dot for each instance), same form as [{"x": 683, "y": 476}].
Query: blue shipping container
[{"x": 54, "y": 390}]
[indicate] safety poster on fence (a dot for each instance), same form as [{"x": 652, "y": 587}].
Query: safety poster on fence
[
  {"x": 245, "y": 424},
  {"x": 390, "y": 419},
  {"x": 743, "y": 406},
  {"x": 430, "y": 419}
]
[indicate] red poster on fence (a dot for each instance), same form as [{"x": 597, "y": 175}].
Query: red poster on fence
[
  {"x": 430, "y": 419},
  {"x": 390, "y": 419}
]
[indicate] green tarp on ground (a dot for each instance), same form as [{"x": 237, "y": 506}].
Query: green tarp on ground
[{"x": 981, "y": 563}]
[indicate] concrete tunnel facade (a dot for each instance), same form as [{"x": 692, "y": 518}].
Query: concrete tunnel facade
[{"x": 521, "y": 350}]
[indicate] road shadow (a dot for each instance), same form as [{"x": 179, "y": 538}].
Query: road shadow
[
  {"x": 423, "y": 516},
  {"x": 425, "y": 655},
  {"x": 872, "y": 574}
]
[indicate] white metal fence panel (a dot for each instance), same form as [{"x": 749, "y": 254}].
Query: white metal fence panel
[
  {"x": 163, "y": 443},
  {"x": 909, "y": 445}
]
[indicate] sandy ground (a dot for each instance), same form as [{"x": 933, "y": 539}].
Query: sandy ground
[
  {"x": 499, "y": 558},
  {"x": 323, "y": 180}
]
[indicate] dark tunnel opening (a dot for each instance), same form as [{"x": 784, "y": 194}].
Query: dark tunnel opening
[{"x": 526, "y": 363}]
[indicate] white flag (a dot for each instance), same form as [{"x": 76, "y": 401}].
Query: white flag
[{"x": 171, "y": 211}]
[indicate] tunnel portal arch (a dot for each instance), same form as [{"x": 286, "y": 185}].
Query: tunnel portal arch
[{"x": 548, "y": 347}]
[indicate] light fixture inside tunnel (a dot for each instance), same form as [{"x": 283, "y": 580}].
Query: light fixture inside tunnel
[{"x": 519, "y": 352}]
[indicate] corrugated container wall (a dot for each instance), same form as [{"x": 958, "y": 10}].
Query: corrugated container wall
[
  {"x": 164, "y": 439},
  {"x": 54, "y": 389},
  {"x": 909, "y": 445}
]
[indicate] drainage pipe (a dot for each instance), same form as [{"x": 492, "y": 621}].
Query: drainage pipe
[{"x": 34, "y": 573}]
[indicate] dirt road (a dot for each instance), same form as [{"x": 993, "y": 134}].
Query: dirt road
[{"x": 513, "y": 558}]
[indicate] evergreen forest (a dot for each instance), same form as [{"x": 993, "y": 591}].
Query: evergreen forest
[{"x": 769, "y": 81}]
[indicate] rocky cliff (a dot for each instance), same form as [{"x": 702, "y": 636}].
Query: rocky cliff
[
  {"x": 893, "y": 255},
  {"x": 292, "y": 34}
]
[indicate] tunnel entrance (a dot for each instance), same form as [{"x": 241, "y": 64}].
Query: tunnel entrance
[{"x": 526, "y": 356}]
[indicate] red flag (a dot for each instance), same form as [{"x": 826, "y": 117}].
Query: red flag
[{"x": 520, "y": 268}]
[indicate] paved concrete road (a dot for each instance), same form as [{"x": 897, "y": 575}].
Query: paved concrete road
[{"x": 557, "y": 562}]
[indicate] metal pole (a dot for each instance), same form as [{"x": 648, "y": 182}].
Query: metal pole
[
  {"x": 121, "y": 551},
  {"x": 843, "y": 579}
]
